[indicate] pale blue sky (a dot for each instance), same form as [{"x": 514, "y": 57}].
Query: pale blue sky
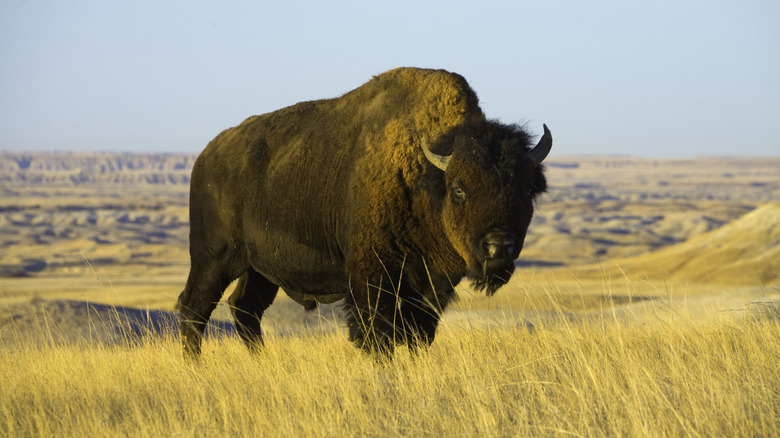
[{"x": 662, "y": 79}]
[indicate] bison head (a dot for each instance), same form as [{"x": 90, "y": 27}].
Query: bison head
[{"x": 491, "y": 179}]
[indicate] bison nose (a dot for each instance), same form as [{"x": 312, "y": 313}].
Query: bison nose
[{"x": 499, "y": 246}]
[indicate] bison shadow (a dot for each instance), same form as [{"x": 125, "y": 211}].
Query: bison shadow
[{"x": 70, "y": 322}]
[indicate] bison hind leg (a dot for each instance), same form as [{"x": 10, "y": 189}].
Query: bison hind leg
[
  {"x": 205, "y": 285},
  {"x": 195, "y": 304},
  {"x": 252, "y": 296}
]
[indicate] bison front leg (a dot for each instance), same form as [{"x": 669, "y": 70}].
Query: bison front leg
[
  {"x": 370, "y": 314},
  {"x": 420, "y": 320}
]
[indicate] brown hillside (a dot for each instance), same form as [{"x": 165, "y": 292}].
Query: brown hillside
[{"x": 745, "y": 251}]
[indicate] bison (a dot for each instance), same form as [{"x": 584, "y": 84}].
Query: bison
[{"x": 385, "y": 198}]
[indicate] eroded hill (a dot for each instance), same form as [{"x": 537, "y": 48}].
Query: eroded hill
[
  {"x": 70, "y": 214},
  {"x": 745, "y": 251}
]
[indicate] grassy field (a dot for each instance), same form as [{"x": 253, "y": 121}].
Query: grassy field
[{"x": 680, "y": 372}]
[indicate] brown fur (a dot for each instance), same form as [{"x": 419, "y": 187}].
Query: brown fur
[{"x": 334, "y": 199}]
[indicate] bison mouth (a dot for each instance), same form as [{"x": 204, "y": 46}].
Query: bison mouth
[
  {"x": 491, "y": 275},
  {"x": 495, "y": 256}
]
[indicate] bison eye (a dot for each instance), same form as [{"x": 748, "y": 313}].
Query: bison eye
[{"x": 457, "y": 193}]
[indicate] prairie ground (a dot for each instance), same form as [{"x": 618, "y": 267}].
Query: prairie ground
[
  {"x": 674, "y": 368},
  {"x": 645, "y": 303}
]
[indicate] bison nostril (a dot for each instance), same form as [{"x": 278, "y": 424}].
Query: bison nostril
[
  {"x": 499, "y": 249},
  {"x": 510, "y": 249}
]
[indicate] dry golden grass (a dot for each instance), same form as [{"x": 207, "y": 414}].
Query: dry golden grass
[{"x": 671, "y": 373}]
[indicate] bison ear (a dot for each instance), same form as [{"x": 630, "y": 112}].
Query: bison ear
[
  {"x": 440, "y": 161},
  {"x": 540, "y": 151}
]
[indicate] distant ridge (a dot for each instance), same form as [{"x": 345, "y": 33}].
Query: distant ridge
[
  {"x": 84, "y": 168},
  {"x": 745, "y": 251}
]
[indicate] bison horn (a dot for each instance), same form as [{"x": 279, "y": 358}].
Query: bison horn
[
  {"x": 540, "y": 151},
  {"x": 440, "y": 161}
]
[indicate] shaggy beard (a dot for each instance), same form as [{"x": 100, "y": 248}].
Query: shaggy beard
[{"x": 491, "y": 275}]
